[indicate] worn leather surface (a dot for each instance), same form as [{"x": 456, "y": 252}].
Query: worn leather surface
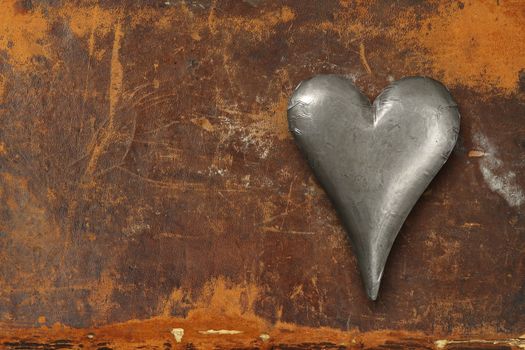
[{"x": 147, "y": 171}]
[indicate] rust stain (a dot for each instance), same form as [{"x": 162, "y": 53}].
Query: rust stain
[
  {"x": 354, "y": 23},
  {"x": 271, "y": 123},
  {"x": 196, "y": 36},
  {"x": 158, "y": 332},
  {"x": 480, "y": 45},
  {"x": 3, "y": 83},
  {"x": 89, "y": 22},
  {"x": 91, "y": 41},
  {"x": 261, "y": 26},
  {"x": 364, "y": 61},
  {"x": 115, "y": 88},
  {"x": 23, "y": 34},
  {"x": 474, "y": 153},
  {"x": 227, "y": 302},
  {"x": 204, "y": 123},
  {"x": 115, "y": 92}
]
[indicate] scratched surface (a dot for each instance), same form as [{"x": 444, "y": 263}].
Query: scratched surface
[{"x": 148, "y": 180}]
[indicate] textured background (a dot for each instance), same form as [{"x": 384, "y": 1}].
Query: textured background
[{"x": 146, "y": 173}]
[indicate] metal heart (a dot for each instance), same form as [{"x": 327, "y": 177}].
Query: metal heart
[{"x": 374, "y": 161}]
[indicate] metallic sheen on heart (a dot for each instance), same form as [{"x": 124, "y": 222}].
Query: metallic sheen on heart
[{"x": 374, "y": 161}]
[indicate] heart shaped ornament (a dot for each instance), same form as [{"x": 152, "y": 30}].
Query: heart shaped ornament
[{"x": 374, "y": 161}]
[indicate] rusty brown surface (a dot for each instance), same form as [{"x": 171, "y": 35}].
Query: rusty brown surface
[{"x": 148, "y": 180}]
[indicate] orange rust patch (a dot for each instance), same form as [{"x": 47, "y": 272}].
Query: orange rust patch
[
  {"x": 204, "y": 123},
  {"x": 221, "y": 298},
  {"x": 92, "y": 22},
  {"x": 22, "y": 33},
  {"x": 479, "y": 46},
  {"x": 115, "y": 91},
  {"x": 2, "y": 88},
  {"x": 475, "y": 153},
  {"x": 273, "y": 122},
  {"x": 260, "y": 26},
  {"x": 85, "y": 21},
  {"x": 156, "y": 332},
  {"x": 196, "y": 36}
]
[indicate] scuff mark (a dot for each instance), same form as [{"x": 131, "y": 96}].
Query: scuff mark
[
  {"x": 135, "y": 229},
  {"x": 2, "y": 88},
  {"x": 115, "y": 87},
  {"x": 115, "y": 91},
  {"x": 474, "y": 153},
  {"x": 364, "y": 61},
  {"x": 204, "y": 123},
  {"x": 91, "y": 40},
  {"x": 497, "y": 178},
  {"x": 518, "y": 342},
  {"x": 471, "y": 224},
  {"x": 213, "y": 170},
  {"x": 221, "y": 331}
]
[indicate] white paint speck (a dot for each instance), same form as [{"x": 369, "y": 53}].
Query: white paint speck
[
  {"x": 265, "y": 153},
  {"x": 497, "y": 178},
  {"x": 352, "y": 76},
  {"x": 246, "y": 181},
  {"x": 214, "y": 170},
  {"x": 135, "y": 229},
  {"x": 221, "y": 331},
  {"x": 264, "y": 337},
  {"x": 178, "y": 333},
  {"x": 440, "y": 344},
  {"x": 262, "y": 145}
]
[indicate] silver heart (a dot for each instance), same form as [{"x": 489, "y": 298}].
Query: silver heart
[{"x": 374, "y": 161}]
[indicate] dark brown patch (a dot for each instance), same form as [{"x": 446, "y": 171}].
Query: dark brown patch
[
  {"x": 23, "y": 6},
  {"x": 521, "y": 80}
]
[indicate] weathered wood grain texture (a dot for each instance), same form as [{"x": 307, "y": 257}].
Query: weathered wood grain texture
[{"x": 148, "y": 181}]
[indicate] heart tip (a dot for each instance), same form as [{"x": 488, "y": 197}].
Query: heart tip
[
  {"x": 372, "y": 284},
  {"x": 373, "y": 291}
]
